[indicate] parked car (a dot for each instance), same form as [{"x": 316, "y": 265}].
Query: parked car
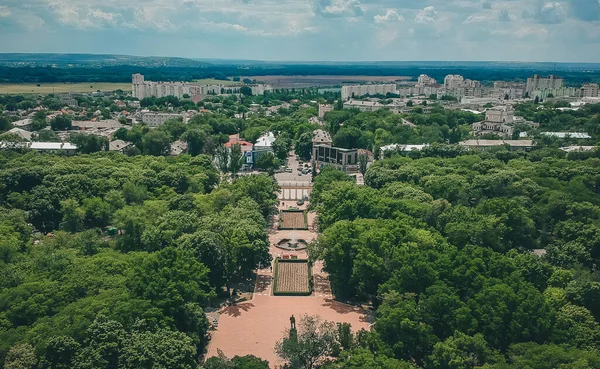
[
  {"x": 300, "y": 202},
  {"x": 288, "y": 170}
]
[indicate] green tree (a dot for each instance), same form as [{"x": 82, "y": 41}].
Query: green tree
[
  {"x": 281, "y": 146},
  {"x": 303, "y": 147},
  {"x": 88, "y": 144},
  {"x": 309, "y": 345},
  {"x": 236, "y": 159},
  {"x": 61, "y": 352},
  {"x": 5, "y": 124},
  {"x": 61, "y": 122},
  {"x": 461, "y": 351},
  {"x": 363, "y": 161},
  {"x": 38, "y": 122},
  {"x": 161, "y": 349},
  {"x": 21, "y": 356},
  {"x": 73, "y": 216},
  {"x": 195, "y": 139},
  {"x": 97, "y": 212},
  {"x": 157, "y": 143},
  {"x": 222, "y": 159},
  {"x": 267, "y": 161}
]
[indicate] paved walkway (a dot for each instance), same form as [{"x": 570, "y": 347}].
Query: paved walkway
[{"x": 253, "y": 327}]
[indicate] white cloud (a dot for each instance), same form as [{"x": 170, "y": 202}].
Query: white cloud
[
  {"x": 551, "y": 13},
  {"x": 340, "y": 8},
  {"x": 4, "y": 12},
  {"x": 426, "y": 15},
  {"x": 390, "y": 16}
]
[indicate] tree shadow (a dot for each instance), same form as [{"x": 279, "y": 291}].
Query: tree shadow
[
  {"x": 236, "y": 310},
  {"x": 262, "y": 283},
  {"x": 342, "y": 308},
  {"x": 321, "y": 284}
]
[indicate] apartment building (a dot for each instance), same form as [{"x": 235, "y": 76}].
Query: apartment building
[
  {"x": 370, "y": 89},
  {"x": 540, "y": 83}
]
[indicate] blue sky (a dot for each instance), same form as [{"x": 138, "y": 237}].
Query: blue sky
[{"x": 353, "y": 30}]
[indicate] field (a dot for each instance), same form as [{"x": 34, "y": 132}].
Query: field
[
  {"x": 48, "y": 88},
  {"x": 292, "y": 220},
  {"x": 212, "y": 81},
  {"x": 292, "y": 277},
  {"x": 310, "y": 81}
]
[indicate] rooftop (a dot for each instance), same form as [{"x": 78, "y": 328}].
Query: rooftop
[
  {"x": 513, "y": 143},
  {"x": 265, "y": 140},
  {"x": 566, "y": 134}
]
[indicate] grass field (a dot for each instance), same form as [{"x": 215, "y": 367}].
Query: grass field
[
  {"x": 212, "y": 81},
  {"x": 48, "y": 88},
  {"x": 292, "y": 276}
]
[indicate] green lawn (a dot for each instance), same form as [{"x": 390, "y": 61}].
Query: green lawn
[
  {"x": 48, "y": 88},
  {"x": 212, "y": 81}
]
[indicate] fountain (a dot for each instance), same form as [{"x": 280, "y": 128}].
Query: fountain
[{"x": 292, "y": 244}]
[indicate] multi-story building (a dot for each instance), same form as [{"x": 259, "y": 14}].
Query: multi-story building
[
  {"x": 321, "y": 137},
  {"x": 372, "y": 89},
  {"x": 589, "y": 90},
  {"x": 512, "y": 145},
  {"x": 453, "y": 81},
  {"x": 141, "y": 89},
  {"x": 544, "y": 93},
  {"x": 498, "y": 121},
  {"x": 540, "y": 83},
  {"x": 158, "y": 119},
  {"x": 343, "y": 159},
  {"x": 323, "y": 109},
  {"x": 425, "y": 80},
  {"x": 363, "y": 105},
  {"x": 512, "y": 90}
]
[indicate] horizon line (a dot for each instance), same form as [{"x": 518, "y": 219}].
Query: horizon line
[{"x": 300, "y": 61}]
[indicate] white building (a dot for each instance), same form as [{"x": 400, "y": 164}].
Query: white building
[
  {"x": 489, "y": 144},
  {"x": 541, "y": 83},
  {"x": 372, "y": 89},
  {"x": 265, "y": 142},
  {"x": 498, "y": 120},
  {"x": 141, "y": 89},
  {"x": 589, "y": 90},
  {"x": 158, "y": 119},
  {"x": 400, "y": 148},
  {"x": 577, "y": 135},
  {"x": 48, "y": 147},
  {"x": 363, "y": 105},
  {"x": 425, "y": 80},
  {"x": 453, "y": 81},
  {"x": 321, "y": 137},
  {"x": 323, "y": 109}
]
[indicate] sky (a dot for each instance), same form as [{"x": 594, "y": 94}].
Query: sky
[{"x": 308, "y": 30}]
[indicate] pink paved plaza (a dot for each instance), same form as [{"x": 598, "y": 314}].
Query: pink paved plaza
[{"x": 254, "y": 326}]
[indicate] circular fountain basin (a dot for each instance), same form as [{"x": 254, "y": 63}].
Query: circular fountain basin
[{"x": 292, "y": 244}]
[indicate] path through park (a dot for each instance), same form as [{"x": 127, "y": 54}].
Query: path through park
[{"x": 254, "y": 326}]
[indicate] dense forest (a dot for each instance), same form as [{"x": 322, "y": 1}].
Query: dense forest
[
  {"x": 163, "y": 70},
  {"x": 79, "y": 296},
  {"x": 443, "y": 246}
]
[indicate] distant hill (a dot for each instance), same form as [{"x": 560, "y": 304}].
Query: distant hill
[
  {"x": 96, "y": 60},
  {"x": 58, "y": 68}
]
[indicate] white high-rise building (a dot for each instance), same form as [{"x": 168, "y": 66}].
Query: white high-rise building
[
  {"x": 425, "y": 80},
  {"x": 542, "y": 83},
  {"x": 141, "y": 89},
  {"x": 589, "y": 90},
  {"x": 373, "y": 89},
  {"x": 453, "y": 81}
]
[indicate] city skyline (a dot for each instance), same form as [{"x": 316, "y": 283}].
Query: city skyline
[{"x": 315, "y": 30}]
